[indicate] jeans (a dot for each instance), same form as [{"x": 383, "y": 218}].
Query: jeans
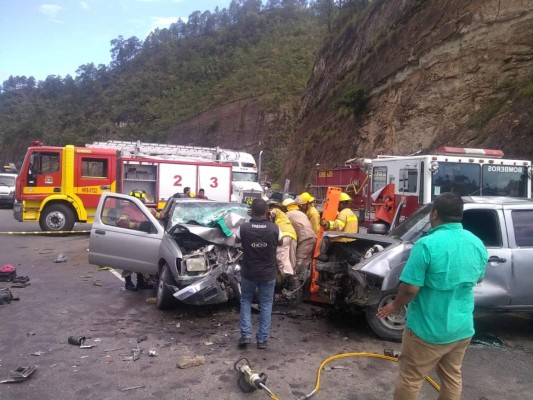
[{"x": 266, "y": 298}]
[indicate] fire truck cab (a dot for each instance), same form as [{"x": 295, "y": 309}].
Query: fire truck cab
[{"x": 58, "y": 186}]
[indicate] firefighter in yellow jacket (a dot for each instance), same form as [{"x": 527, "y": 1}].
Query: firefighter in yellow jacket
[
  {"x": 286, "y": 252},
  {"x": 306, "y": 203},
  {"x": 346, "y": 220}
]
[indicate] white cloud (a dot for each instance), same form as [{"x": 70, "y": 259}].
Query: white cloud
[
  {"x": 161, "y": 22},
  {"x": 84, "y": 5},
  {"x": 50, "y": 10}
]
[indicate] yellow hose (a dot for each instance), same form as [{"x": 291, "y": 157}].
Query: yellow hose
[{"x": 345, "y": 355}]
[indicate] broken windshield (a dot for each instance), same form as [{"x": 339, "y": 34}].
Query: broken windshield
[{"x": 205, "y": 213}]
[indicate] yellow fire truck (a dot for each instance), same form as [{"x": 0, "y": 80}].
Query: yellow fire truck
[{"x": 59, "y": 186}]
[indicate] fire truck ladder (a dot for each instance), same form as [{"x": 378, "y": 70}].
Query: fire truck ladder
[{"x": 140, "y": 149}]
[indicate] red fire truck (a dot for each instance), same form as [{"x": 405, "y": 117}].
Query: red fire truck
[
  {"x": 379, "y": 185},
  {"x": 59, "y": 186}
]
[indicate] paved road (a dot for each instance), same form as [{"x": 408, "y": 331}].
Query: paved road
[{"x": 75, "y": 298}]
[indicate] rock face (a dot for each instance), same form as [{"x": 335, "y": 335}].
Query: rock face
[
  {"x": 439, "y": 72},
  {"x": 239, "y": 125}
]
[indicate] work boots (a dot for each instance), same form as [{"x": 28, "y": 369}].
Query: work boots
[
  {"x": 129, "y": 284},
  {"x": 142, "y": 284}
]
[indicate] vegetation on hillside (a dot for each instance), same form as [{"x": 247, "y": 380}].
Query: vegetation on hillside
[{"x": 247, "y": 50}]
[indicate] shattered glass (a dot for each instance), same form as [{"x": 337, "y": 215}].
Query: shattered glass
[{"x": 226, "y": 216}]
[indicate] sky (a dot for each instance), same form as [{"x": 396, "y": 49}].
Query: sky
[{"x": 55, "y": 37}]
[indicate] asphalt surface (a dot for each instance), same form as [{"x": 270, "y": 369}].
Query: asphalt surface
[{"x": 73, "y": 298}]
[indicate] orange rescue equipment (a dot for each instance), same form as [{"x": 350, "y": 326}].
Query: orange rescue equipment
[
  {"x": 385, "y": 204},
  {"x": 329, "y": 213}
]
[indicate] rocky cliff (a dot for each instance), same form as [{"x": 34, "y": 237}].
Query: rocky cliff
[{"x": 438, "y": 72}]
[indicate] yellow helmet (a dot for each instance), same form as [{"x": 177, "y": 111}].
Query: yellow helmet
[
  {"x": 305, "y": 198},
  {"x": 290, "y": 204},
  {"x": 140, "y": 194},
  {"x": 345, "y": 197}
]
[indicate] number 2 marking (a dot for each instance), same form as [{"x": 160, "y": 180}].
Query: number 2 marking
[{"x": 177, "y": 181}]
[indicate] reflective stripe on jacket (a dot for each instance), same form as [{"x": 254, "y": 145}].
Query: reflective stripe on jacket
[
  {"x": 284, "y": 224},
  {"x": 346, "y": 222}
]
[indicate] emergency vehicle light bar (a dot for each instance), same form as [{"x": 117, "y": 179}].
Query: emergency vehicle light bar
[{"x": 446, "y": 150}]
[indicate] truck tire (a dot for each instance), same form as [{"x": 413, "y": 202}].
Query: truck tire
[
  {"x": 164, "y": 298},
  {"x": 56, "y": 217},
  {"x": 390, "y": 328}
]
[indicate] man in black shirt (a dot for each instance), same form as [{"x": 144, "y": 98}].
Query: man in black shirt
[{"x": 259, "y": 239}]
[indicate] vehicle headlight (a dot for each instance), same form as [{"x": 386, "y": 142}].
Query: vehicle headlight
[{"x": 196, "y": 264}]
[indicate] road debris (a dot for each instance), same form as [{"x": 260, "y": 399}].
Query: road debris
[
  {"x": 153, "y": 353},
  {"x": 142, "y": 338},
  {"x": 37, "y": 353},
  {"x": 151, "y": 300},
  {"x": 6, "y": 296},
  {"x": 97, "y": 283},
  {"x": 188, "y": 361},
  {"x": 104, "y": 268},
  {"x": 60, "y": 258},
  {"x": 135, "y": 355},
  {"x": 20, "y": 374},
  {"x": 118, "y": 348},
  {"x": 79, "y": 341},
  {"x": 132, "y": 388}
]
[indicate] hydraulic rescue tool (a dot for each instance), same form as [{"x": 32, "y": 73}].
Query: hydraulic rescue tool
[{"x": 249, "y": 380}]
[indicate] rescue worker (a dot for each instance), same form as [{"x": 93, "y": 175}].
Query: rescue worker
[
  {"x": 131, "y": 217},
  {"x": 346, "y": 221},
  {"x": 306, "y": 203},
  {"x": 306, "y": 237},
  {"x": 286, "y": 252}
]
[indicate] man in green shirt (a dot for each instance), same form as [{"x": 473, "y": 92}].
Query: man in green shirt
[{"x": 437, "y": 282}]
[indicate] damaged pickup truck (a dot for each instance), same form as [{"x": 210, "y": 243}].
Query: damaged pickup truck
[
  {"x": 364, "y": 273},
  {"x": 191, "y": 252}
]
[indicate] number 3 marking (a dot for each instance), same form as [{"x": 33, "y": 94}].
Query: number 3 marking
[
  {"x": 178, "y": 180},
  {"x": 214, "y": 182}
]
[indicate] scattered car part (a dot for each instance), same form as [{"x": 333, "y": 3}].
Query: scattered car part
[
  {"x": 20, "y": 374},
  {"x": 79, "y": 341}
]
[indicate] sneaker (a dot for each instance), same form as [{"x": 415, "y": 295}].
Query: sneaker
[
  {"x": 262, "y": 345},
  {"x": 130, "y": 286},
  {"x": 243, "y": 342}
]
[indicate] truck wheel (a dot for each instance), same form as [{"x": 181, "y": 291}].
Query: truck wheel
[
  {"x": 390, "y": 328},
  {"x": 57, "y": 217},
  {"x": 164, "y": 298}
]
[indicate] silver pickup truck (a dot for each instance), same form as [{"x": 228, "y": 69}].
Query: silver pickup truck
[{"x": 365, "y": 273}]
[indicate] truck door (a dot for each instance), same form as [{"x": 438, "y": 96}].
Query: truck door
[
  {"x": 216, "y": 181},
  {"x": 521, "y": 238},
  {"x": 488, "y": 224},
  {"x": 174, "y": 177},
  {"x": 95, "y": 174},
  {"x": 124, "y": 246},
  {"x": 44, "y": 174}
]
